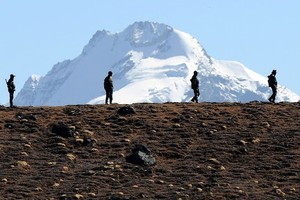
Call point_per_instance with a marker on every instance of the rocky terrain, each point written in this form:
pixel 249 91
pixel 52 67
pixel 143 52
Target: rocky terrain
pixel 200 151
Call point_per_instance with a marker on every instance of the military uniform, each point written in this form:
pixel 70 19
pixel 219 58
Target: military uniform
pixel 108 86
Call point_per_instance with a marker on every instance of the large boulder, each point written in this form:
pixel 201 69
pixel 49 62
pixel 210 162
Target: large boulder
pixel 141 155
pixel 62 130
pixel 126 110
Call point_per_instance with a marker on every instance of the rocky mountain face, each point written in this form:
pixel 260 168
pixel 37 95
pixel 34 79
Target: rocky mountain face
pixel 151 62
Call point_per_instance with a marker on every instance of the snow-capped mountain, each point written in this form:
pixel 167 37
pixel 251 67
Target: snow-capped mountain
pixel 151 62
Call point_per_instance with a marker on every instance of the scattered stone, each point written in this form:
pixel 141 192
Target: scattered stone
pixel 78 196
pixel 90 133
pixel 26 117
pixel 72 111
pixel 280 192
pixel 126 110
pixel 61 144
pixel 65 169
pixel 71 156
pixel 242 142
pixel 214 161
pixel 23 153
pixel 56 184
pixel 266 124
pixel 256 140
pixel 176 126
pixel 23 165
pixel 79 140
pixel 52 163
pixel 92 194
pixel 38 189
pixel 9 125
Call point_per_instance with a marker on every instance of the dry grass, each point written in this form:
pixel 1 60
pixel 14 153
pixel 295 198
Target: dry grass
pixel 203 151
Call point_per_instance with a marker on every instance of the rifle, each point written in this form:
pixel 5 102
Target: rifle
pixel 7 84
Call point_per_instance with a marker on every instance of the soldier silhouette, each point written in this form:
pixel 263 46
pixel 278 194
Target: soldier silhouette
pixel 11 89
pixel 109 86
pixel 195 86
pixel 273 84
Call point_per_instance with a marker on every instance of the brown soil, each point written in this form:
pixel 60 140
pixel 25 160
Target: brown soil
pixel 203 151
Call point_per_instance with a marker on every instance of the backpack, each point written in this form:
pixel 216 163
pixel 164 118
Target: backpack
pixel 107 83
pixel 270 81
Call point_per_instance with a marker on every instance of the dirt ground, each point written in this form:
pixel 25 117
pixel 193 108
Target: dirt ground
pixel 202 151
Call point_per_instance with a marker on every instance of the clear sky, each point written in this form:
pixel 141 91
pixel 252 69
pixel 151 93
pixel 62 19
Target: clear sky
pixel 261 34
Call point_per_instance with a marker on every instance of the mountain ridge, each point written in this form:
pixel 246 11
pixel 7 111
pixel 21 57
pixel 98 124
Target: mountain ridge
pixel 152 58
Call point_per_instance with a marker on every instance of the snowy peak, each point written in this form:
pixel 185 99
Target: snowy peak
pixel 97 37
pixel 142 34
pixel 151 62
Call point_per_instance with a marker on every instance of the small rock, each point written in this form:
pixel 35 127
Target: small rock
pixel 92 194
pixel 79 140
pixel 23 165
pixel 176 125
pixel 266 124
pixel 38 189
pixel 78 196
pixel 90 133
pixel 71 156
pixel 224 127
pixel 242 142
pixel 73 128
pixel 24 153
pixel 214 160
pixel 280 192
pixel 52 163
pixel 256 140
pixel 56 185
pixel 65 169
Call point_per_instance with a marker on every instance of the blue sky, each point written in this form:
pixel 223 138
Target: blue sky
pixel 261 34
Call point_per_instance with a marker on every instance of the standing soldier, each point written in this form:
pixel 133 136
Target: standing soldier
pixel 11 89
pixel 195 87
pixel 108 86
pixel 273 84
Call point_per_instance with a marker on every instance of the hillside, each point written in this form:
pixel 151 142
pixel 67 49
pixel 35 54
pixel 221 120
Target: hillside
pixel 202 151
